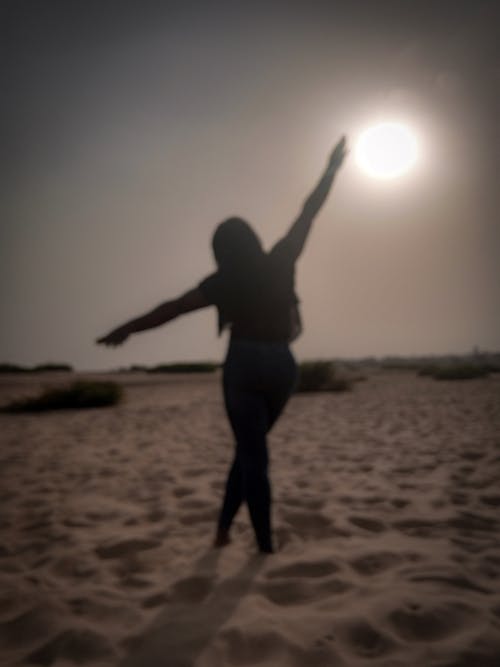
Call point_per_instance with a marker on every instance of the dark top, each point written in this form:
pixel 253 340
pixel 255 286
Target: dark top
pixel 260 303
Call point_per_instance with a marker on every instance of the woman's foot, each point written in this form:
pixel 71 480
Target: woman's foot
pixel 266 551
pixel 221 538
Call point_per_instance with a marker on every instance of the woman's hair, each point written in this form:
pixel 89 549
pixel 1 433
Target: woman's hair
pixel 236 246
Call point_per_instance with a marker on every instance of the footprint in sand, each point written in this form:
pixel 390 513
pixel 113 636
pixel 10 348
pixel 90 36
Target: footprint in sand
pixel 206 516
pixel 76 523
pixel 155 600
pixel 102 515
pixel 72 567
pixel 104 612
pixel 194 472
pixel 404 470
pixel 312 504
pixel 373 563
pixel 36 548
pixel 10 567
pixel 27 627
pixel 457 498
pixel 366 523
pixel 406 486
pixel 471 547
pixel 10 601
pixel 251 648
pixel 218 485
pixel 319 568
pixel 192 589
pixel 373 500
pixel 4 552
pixel 32 502
pixel 40 524
pixel 417 527
pixel 472 455
pixel 366 641
pixel 181 491
pixel 131 522
pixel 471 522
pixel 490 500
pixel 458 581
pixel 126 548
pixel 74 645
pixel 302 582
pixel 299 591
pixel 106 472
pixel 192 504
pixel 156 515
pixel 490 565
pixel 310 524
pixel 415 622
pixel 132 581
pixel 400 503
pixel 282 536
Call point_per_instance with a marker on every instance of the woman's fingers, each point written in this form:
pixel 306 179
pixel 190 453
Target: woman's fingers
pixel 111 339
pixel 339 152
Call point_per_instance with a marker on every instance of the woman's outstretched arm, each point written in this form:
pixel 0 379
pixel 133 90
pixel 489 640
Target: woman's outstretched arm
pixel 297 235
pixel 163 313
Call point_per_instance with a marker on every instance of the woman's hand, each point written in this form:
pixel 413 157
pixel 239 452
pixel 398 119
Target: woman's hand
pixel 163 313
pixel 115 337
pixel 338 154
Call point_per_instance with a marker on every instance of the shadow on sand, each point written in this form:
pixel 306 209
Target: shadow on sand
pixel 193 616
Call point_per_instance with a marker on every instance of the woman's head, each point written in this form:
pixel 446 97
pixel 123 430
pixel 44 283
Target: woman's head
pixel 235 244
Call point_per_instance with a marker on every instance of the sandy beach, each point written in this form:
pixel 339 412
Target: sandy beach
pixel 386 516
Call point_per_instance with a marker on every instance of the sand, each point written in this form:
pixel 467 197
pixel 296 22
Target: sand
pixel 386 513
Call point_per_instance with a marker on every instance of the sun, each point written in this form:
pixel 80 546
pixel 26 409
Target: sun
pixel 386 150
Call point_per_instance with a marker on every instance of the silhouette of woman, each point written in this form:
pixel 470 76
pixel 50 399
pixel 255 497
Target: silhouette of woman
pixel 254 295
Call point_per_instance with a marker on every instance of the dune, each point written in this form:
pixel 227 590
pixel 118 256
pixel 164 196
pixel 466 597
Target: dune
pixel 386 521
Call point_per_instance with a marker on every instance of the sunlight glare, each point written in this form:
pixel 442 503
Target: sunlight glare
pixel 386 150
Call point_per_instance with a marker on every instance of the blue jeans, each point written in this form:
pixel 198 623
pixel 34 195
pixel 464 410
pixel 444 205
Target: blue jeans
pixel 258 380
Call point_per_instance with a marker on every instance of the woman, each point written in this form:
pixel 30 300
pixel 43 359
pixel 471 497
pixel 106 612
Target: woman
pixel 254 295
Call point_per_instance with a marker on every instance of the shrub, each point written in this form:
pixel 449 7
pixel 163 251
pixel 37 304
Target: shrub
pixel 427 370
pixel 135 368
pixel 187 367
pixel 13 368
pixel 42 368
pixel 320 376
pixel 461 372
pixel 79 394
pixel 398 364
pixel 456 371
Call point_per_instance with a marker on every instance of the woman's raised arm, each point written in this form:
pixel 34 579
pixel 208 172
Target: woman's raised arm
pixel 297 235
pixel 169 310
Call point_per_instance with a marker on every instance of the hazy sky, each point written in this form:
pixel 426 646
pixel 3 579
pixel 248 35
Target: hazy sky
pixel 130 129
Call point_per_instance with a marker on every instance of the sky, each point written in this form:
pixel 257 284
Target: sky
pixel 129 130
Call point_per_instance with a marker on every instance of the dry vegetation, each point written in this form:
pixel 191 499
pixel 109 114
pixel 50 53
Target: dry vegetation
pixel 77 395
pixel 320 376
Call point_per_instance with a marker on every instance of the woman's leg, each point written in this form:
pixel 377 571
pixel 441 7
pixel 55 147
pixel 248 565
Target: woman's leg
pixel 256 389
pixel 233 497
pixel 281 371
pixel 248 479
